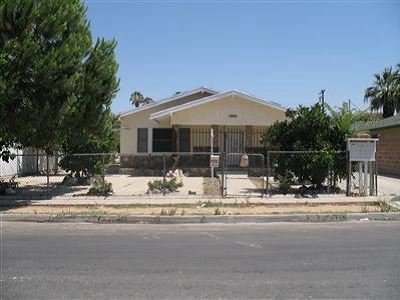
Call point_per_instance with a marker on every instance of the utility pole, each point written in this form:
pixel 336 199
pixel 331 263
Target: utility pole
pixel 322 97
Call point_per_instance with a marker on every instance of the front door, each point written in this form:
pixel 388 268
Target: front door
pixel 234 146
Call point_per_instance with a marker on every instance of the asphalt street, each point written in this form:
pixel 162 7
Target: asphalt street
pixel 205 261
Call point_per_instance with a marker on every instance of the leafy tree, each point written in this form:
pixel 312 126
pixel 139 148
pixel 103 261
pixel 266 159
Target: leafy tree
pixel 385 93
pixel 137 99
pixel 308 129
pixel 89 127
pixel 42 47
pixel 56 88
pixel 368 116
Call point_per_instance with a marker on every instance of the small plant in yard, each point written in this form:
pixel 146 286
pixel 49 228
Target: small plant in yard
pixel 8 187
pixel 100 187
pixel 385 207
pixel 285 182
pixel 365 209
pixel 159 185
pixel 217 211
pixel 169 212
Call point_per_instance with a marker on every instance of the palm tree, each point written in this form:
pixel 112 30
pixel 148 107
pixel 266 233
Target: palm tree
pixel 344 117
pixel 385 93
pixel 138 99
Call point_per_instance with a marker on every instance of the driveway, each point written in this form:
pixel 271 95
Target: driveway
pixel 388 186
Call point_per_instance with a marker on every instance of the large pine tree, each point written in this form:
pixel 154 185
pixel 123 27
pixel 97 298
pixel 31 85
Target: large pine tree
pixel 55 85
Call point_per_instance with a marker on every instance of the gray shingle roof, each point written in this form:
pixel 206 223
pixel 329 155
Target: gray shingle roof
pixel 380 124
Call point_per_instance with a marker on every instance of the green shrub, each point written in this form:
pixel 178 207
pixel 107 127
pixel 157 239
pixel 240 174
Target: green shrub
pixel 100 187
pixel 6 186
pixel 285 182
pixel 385 207
pixel 159 185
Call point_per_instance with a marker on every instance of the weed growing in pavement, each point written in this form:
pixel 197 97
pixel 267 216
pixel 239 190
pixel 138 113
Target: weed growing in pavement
pixel 100 187
pixel 210 203
pixel 169 212
pixel 385 207
pixel 365 209
pixel 82 213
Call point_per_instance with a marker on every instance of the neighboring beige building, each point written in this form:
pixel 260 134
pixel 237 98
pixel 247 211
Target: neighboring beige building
pixel 182 123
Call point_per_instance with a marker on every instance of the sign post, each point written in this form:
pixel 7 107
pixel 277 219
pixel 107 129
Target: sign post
pixel 363 151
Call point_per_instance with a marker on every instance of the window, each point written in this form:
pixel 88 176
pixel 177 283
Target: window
pixel 162 139
pixel 142 140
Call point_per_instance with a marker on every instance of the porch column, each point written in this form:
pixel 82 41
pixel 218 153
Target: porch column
pixel 248 137
pixel 175 138
pixel 216 139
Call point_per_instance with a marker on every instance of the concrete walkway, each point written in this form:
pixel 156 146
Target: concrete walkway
pixel 240 184
pixel 388 186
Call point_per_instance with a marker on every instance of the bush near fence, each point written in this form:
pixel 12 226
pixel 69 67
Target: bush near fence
pixel 192 164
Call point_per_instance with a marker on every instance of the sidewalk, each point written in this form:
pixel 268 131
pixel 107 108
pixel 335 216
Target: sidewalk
pixel 388 190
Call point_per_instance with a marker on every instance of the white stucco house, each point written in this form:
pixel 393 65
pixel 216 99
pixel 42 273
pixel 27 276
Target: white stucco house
pixel 182 123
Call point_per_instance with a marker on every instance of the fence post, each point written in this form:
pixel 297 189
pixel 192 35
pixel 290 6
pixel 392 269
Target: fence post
pixel 164 173
pixel 268 174
pixel 348 179
pixel 263 175
pixel 47 174
pixel 329 178
pixel 223 181
pixel 103 175
pixel 376 177
pixel 371 178
pixel 37 162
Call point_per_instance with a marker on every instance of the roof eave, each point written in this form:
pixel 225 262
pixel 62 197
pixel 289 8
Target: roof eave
pixel 169 111
pixel 166 100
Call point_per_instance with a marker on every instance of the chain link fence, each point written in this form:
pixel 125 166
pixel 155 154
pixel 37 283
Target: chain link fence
pixel 306 173
pixel 302 173
pixel 42 176
pixel 29 175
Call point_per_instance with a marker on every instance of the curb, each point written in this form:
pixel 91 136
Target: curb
pixel 133 219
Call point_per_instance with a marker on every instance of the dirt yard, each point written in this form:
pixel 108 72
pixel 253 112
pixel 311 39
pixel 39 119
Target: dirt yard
pixel 196 209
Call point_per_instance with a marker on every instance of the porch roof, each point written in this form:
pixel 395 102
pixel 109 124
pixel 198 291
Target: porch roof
pixel 170 111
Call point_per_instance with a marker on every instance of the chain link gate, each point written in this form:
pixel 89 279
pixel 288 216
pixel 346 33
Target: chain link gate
pixel 243 175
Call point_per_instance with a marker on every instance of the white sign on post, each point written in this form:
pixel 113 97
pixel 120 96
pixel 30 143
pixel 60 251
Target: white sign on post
pixel 361 149
pixel 214 161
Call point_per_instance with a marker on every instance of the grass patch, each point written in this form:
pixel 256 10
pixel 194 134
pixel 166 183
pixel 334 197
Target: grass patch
pixel 385 207
pixel 205 208
pixel 88 213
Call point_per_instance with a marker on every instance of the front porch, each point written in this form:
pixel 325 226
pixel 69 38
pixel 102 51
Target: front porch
pixel 192 146
pixel 187 139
